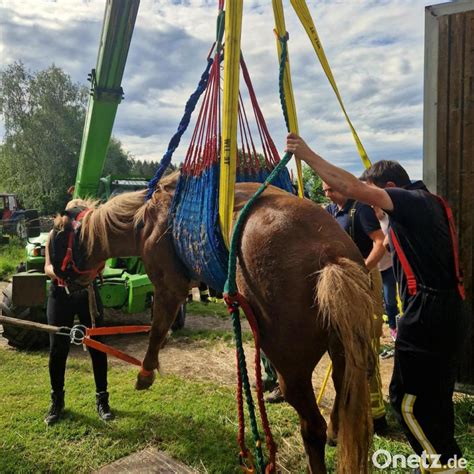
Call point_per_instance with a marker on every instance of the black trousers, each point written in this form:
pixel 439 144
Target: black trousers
pixel 61 310
pixel 421 390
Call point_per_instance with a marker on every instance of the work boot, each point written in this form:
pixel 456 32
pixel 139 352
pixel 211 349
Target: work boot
pixel 268 385
pixel 56 408
pixel 275 396
pixel 380 426
pixel 103 408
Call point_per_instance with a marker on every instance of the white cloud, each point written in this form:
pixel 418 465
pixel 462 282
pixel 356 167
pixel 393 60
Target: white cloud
pixel 374 47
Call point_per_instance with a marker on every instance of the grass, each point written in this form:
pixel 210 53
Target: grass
pixel 11 254
pixel 194 422
pixel 210 335
pixel 208 309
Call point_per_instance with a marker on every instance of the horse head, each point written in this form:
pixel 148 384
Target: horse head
pixel 67 250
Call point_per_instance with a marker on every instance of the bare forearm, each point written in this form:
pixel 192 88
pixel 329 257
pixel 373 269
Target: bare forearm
pixel 337 178
pixel 375 255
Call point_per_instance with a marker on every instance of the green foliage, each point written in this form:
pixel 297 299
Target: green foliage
pixel 118 162
pixel 313 185
pixel 146 169
pixel 43 114
pixel 11 254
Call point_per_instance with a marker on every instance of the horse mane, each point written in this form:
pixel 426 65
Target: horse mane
pixel 123 213
pixel 114 216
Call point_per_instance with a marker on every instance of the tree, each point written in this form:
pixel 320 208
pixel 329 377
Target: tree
pixel 117 162
pixel 43 114
pixel 313 185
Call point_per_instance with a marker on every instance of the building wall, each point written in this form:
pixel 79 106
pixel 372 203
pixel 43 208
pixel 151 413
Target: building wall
pixel 449 133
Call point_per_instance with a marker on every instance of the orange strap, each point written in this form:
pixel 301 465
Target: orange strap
pixel 109 349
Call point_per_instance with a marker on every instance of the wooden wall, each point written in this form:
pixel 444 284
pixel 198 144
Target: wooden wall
pixel 455 147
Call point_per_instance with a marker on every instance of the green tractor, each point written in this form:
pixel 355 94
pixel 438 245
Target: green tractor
pixel 125 283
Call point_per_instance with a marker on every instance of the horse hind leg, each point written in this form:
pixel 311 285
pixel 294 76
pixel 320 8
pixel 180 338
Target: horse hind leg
pixel 300 395
pixel 336 352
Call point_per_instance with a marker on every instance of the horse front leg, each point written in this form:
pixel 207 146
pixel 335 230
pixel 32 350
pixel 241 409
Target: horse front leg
pixel 165 308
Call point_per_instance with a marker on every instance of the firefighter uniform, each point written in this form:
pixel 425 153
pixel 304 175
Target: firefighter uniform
pixel 425 263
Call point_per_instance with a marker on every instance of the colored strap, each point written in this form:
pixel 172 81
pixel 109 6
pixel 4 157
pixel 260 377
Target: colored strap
pixel 292 123
pixel 228 165
pixel 304 15
pixel 352 213
pixel 454 243
pixel 410 276
pixel 111 350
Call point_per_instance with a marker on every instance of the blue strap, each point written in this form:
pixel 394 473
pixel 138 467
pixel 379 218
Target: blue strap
pixel 183 125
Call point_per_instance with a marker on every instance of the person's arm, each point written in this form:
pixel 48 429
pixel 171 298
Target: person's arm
pixel 48 266
pixel 378 250
pixel 337 178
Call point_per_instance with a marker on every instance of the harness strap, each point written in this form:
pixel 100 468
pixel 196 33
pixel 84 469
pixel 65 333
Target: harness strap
pixel 410 275
pixel 352 213
pixel 455 246
pixel 69 258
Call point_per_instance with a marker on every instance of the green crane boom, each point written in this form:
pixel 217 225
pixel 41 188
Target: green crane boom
pixel 106 93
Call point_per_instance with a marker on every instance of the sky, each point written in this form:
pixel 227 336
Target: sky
pixel 375 49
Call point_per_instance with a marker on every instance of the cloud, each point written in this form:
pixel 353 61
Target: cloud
pixel 375 49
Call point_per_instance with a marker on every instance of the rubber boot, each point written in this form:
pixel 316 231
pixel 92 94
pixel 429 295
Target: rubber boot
pixel 103 408
pixel 56 408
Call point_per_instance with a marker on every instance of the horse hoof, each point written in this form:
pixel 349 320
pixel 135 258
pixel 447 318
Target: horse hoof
pixel 144 381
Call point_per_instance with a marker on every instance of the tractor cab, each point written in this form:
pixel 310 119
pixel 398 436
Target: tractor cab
pixel 110 186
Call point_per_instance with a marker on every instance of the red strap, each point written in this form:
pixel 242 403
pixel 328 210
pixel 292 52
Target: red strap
pixel 411 279
pixel 68 256
pixel 454 243
pixel 83 214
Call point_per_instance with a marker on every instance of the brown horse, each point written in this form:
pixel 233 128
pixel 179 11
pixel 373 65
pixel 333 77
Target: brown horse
pixel 307 285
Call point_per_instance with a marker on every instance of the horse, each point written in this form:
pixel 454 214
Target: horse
pixel 303 277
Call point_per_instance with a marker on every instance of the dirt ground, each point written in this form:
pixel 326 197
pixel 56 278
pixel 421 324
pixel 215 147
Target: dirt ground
pixel 203 360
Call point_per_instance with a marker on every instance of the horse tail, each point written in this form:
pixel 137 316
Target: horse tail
pixel 344 297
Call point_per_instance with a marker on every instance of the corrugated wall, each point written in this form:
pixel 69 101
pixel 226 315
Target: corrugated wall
pixel 455 147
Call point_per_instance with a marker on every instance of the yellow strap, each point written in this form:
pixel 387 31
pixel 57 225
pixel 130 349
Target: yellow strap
pixel 280 30
pixel 228 165
pixel 304 15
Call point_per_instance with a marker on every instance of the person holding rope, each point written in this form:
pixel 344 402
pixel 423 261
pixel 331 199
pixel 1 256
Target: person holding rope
pixel 64 302
pixel 361 223
pixel 424 251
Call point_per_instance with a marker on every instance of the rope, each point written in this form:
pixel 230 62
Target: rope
pixel 183 125
pixel 234 300
pixel 281 77
pixel 243 380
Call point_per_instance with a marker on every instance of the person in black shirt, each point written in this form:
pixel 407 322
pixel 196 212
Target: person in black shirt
pixel 64 303
pixel 430 330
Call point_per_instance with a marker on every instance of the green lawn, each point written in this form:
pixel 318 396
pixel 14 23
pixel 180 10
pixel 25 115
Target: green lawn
pixel 195 422
pixel 11 254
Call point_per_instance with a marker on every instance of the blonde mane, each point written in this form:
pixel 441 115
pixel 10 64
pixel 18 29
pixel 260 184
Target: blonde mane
pixel 114 216
pixel 121 214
